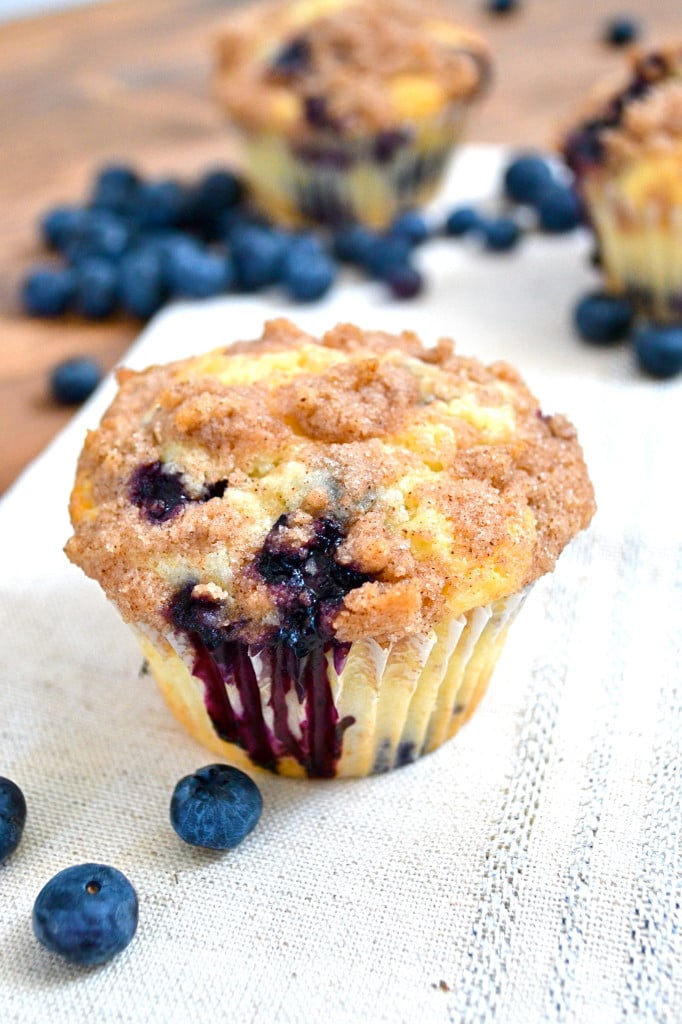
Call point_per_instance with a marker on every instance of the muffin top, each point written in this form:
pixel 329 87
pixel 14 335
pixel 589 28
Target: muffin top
pixel 346 67
pixel 357 485
pixel 639 120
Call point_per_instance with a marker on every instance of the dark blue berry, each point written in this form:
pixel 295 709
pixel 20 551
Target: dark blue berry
pixel 404 282
pixel 47 291
pixel 74 380
pixel 307 272
pixel 525 176
pixel 293 58
pixel 316 112
pixel 86 914
pixel 386 253
pixel 352 243
pixel 218 191
pixel 502 6
pixel 216 807
pixel 114 188
pixel 558 209
pixel 103 233
pixel 141 282
pixel 258 255
pixel 462 221
pixel 62 223
pixel 603 319
pixel 194 273
pixel 659 349
pixel 500 234
pixel 157 491
pixel 97 288
pixel 12 817
pixel 389 142
pixel 621 31
pixel 159 204
pixel 410 225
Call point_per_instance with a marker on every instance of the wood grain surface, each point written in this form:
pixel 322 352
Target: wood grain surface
pixel 129 79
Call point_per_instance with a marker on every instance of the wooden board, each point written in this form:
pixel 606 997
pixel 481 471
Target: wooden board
pixel 130 80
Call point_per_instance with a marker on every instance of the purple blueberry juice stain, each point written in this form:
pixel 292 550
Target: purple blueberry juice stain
pixel 160 494
pixel 307 585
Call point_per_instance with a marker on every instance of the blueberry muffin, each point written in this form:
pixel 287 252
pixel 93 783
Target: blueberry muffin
pixel 348 110
pixel 626 153
pixel 321 543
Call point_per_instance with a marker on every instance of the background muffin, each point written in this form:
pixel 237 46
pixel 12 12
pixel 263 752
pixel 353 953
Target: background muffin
pixel 323 542
pixel 627 157
pixel 348 110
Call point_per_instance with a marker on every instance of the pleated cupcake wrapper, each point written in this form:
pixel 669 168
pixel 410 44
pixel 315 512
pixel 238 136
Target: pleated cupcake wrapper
pixel 389 704
pixel 353 185
pixel 640 249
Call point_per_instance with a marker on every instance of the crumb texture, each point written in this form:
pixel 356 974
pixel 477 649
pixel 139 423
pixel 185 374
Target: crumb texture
pixel 358 485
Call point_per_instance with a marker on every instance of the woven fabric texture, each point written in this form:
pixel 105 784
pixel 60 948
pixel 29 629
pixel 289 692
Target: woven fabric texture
pixel 528 871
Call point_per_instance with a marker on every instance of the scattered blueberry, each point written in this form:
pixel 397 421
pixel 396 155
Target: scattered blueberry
pixel 307 272
pixel 160 204
pixel 659 349
pixel 621 31
pixel 502 6
pixel 500 234
pixel 61 223
pixel 352 243
pixel 385 253
pixel 12 817
pixel 404 282
pixel 102 233
pixel 258 255
pixel 195 273
pixel 216 807
pixel 525 176
pixel 47 291
pixel 410 225
pixel 462 221
pixel 558 209
pixel 86 914
pixel 218 191
pixel 74 380
pixel 114 188
pixel 603 319
pixel 141 283
pixel 96 288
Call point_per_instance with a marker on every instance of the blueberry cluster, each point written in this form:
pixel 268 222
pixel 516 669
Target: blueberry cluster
pixel 88 913
pixel 604 319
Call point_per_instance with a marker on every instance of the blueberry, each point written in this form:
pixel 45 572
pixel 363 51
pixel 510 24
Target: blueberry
pixel 157 491
pixel 603 319
pixel 621 31
pixel 462 221
pixel 659 349
pixel 386 253
pixel 525 176
pixel 410 225
pixel 97 288
pixel 114 188
pixel 102 233
pixel 47 291
pixel 293 58
pixel 258 255
pixel 194 273
pixel 159 204
pixel 216 807
pixel 74 380
pixel 307 272
pixel 500 234
pixel 86 913
pixel 502 6
pixel 12 817
pixel 61 223
pixel 558 209
pixel 352 243
pixel 405 282
pixel 219 190
pixel 142 287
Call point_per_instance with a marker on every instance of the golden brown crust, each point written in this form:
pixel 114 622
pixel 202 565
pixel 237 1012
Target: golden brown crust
pixel 450 486
pixel 355 52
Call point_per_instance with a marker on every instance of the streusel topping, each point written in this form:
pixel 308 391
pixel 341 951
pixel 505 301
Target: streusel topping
pixel 360 482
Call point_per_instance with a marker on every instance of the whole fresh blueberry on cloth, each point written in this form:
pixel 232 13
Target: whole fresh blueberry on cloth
pixel 86 914
pixel 659 349
pixel 216 807
pixel 12 817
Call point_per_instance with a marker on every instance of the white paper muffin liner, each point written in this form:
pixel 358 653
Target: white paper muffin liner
pixel 337 712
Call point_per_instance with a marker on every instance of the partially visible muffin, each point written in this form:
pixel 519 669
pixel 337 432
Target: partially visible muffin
pixel 626 153
pixel 322 542
pixel 348 110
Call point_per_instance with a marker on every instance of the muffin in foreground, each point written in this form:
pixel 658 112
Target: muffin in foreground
pixel 626 153
pixel 321 543
pixel 348 110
